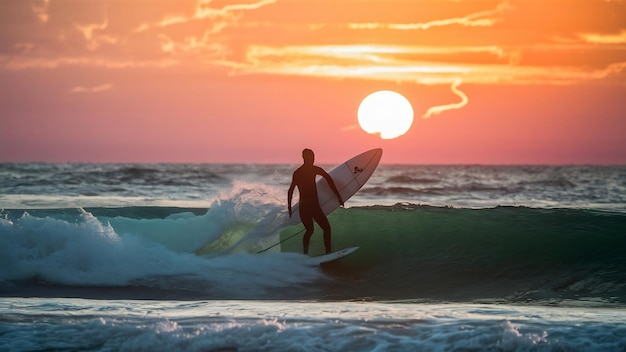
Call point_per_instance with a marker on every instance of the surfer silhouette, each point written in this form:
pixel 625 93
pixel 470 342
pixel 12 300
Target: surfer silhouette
pixel 309 206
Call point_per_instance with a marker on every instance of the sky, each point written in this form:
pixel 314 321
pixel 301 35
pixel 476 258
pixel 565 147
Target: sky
pixel 256 81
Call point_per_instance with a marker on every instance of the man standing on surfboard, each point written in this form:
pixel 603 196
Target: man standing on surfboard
pixel 309 206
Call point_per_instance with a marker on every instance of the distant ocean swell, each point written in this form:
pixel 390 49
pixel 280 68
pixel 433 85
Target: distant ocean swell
pixel 407 252
pixel 29 186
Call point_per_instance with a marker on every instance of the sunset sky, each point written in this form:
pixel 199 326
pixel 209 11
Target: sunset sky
pixel 490 82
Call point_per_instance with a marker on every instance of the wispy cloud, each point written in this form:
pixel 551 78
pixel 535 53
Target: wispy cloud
pixel 201 44
pixel 203 8
pixel 409 64
pixel 478 19
pixel 22 63
pixel 216 19
pixel 40 10
pixel 204 11
pixel 232 35
pixel 196 39
pixel 94 89
pixel 435 110
pixel 598 38
pixel 94 40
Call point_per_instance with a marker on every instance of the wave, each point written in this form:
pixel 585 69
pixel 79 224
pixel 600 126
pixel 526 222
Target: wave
pixel 513 253
pixel 407 251
pixel 91 259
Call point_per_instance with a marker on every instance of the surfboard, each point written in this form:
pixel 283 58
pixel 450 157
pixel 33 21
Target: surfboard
pixel 332 256
pixel 349 177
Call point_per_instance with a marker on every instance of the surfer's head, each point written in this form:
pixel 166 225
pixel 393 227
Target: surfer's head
pixel 308 156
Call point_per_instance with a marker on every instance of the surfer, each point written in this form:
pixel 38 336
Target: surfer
pixel 310 209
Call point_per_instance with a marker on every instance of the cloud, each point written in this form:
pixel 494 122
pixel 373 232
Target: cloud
pixel 23 63
pixel 118 34
pixel 478 19
pixel 410 64
pixel 596 38
pixel 93 89
pixel 41 10
pixel 231 35
pixel 214 20
pixel 94 41
pixel 206 43
pixel 203 8
pixel 204 11
pixel 436 110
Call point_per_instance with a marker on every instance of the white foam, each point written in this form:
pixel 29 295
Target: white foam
pixel 306 326
pixel 89 252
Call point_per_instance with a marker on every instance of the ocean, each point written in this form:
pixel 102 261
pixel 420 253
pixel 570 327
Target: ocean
pixel 161 257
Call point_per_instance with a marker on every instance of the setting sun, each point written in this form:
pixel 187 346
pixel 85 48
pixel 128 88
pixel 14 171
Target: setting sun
pixel 385 112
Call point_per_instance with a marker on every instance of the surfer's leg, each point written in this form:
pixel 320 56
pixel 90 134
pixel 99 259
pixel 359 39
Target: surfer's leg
pixel 305 240
pixel 322 220
pixel 307 221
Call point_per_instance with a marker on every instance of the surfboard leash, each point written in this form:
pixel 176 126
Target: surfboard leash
pixel 279 242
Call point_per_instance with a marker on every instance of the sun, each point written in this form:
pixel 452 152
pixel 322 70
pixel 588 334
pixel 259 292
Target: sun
pixel 385 112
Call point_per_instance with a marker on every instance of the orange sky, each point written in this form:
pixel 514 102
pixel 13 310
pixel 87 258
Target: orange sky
pixel 491 82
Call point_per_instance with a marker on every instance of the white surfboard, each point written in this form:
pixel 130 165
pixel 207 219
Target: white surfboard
pixel 332 256
pixel 349 177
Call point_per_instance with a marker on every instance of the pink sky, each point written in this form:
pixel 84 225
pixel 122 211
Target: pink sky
pixel 505 82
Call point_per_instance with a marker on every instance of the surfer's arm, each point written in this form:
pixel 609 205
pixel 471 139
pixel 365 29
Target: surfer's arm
pixel 332 185
pixel 290 195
